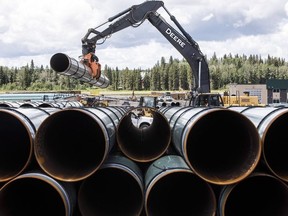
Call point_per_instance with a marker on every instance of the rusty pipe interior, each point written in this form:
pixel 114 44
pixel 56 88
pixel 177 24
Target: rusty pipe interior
pixel 36 194
pixel 275 145
pixel 17 129
pixel 223 147
pixel 220 145
pixel 115 189
pixel 171 188
pixel 271 123
pixel 71 144
pixel 143 144
pixel 17 136
pixel 259 194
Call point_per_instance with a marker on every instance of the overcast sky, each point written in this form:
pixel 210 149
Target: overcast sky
pixel 38 29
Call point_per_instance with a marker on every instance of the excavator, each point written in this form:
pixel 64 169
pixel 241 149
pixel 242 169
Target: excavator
pixel 180 39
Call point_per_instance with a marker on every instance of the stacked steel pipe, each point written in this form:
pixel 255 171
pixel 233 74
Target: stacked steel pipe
pixel 144 145
pixel 75 161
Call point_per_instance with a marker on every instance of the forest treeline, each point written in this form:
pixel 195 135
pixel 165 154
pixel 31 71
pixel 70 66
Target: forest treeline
pixel 167 74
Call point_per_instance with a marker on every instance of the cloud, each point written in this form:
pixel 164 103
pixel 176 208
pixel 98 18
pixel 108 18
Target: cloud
pixel 33 29
pixel 208 17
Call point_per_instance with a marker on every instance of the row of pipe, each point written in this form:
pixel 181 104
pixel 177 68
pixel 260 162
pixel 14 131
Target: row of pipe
pixel 117 188
pixel 59 104
pixel 118 169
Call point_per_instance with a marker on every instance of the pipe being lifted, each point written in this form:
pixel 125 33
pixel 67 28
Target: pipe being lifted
pixel 63 64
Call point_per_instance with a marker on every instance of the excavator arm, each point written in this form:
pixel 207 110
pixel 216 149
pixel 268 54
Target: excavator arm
pixel 135 16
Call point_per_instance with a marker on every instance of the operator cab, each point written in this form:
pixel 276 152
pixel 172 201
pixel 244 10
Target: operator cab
pixel 148 101
pixel 142 115
pixel 207 99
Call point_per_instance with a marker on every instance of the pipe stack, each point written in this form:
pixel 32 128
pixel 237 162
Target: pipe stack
pixel 74 161
pixel 59 104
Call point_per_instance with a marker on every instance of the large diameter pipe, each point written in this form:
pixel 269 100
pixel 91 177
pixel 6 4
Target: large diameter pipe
pixel 37 194
pixel 220 145
pixel 18 127
pixel 65 65
pixel 115 189
pixel 70 145
pixel 171 188
pixel 30 104
pixel 271 123
pixel 143 144
pixel 51 104
pixel 71 103
pixel 259 194
pixel 61 104
pixel 13 104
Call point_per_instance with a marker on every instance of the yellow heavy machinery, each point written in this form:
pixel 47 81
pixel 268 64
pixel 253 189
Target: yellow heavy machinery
pixel 94 101
pixel 142 115
pixel 226 100
pixel 145 105
pixel 240 100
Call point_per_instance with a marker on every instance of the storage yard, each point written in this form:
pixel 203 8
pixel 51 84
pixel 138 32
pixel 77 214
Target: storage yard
pixel 198 153
pixel 78 160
